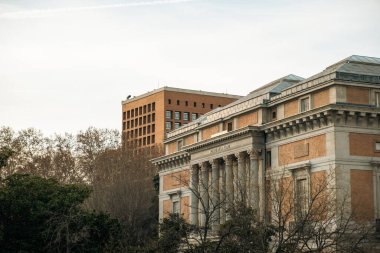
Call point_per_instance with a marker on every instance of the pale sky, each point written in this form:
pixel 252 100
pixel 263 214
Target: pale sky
pixel 67 65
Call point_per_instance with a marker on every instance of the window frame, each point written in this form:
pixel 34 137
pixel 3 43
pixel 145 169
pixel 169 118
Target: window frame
pixel 308 97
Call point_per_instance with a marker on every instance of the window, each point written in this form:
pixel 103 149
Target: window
pixel 195 104
pixel 302 197
pixel 168 114
pixel 179 145
pixel 187 103
pixel 153 106
pixel 136 122
pixel 132 123
pixel 148 140
pixel 211 106
pixel 128 124
pixel 140 131
pixel 124 115
pixel 136 112
pixel 305 104
pixel 274 114
pixel 148 129
pixel 153 117
pixel 227 126
pixel 123 125
pixel 377 99
pixel 168 125
pixel 153 128
pixel 268 159
pixel 144 141
pixel 149 118
pixel 377 146
pixel 177 115
pixel 169 101
pixel 176 208
pixel 185 116
pixel 177 125
pixel 144 120
pixel 203 105
pixel 148 107
pixel 153 139
pixel 177 102
pixel 132 113
pixel 144 131
pixel 140 120
pixel 194 116
pixel 128 114
pixel 140 110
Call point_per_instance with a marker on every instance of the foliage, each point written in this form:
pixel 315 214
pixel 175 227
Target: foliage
pixel 41 215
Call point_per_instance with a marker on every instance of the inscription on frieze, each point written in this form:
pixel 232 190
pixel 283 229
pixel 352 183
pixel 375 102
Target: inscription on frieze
pixel 219 149
pixel 301 150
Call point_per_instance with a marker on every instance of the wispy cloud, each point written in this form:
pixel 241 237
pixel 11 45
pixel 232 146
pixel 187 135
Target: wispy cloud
pixel 37 13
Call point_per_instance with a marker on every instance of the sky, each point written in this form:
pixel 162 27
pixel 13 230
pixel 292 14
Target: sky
pixel 67 65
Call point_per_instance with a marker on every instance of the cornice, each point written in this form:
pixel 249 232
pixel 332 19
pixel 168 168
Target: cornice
pixel 221 138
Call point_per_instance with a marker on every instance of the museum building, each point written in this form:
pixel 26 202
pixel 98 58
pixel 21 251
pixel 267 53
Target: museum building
pixel 305 127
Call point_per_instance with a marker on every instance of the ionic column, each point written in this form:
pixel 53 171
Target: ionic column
pixel 204 192
pixel 229 180
pixel 261 188
pixel 235 180
pixel 222 192
pixel 194 194
pixel 241 177
pixel 215 200
pixel 254 182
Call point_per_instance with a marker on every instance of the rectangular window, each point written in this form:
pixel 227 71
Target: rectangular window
pixel 128 126
pixel 149 118
pixel 153 117
pixel 187 103
pixel 136 112
pixel 268 159
pixel 144 141
pixel 185 116
pixel 140 131
pixel 195 104
pixel 377 99
pixel 177 125
pixel 377 146
pixel 153 128
pixel 124 115
pixel 140 110
pixel 177 102
pixel 168 125
pixel 128 114
pixel 153 139
pixel 123 125
pixel 305 104
pixel 153 106
pixel 302 197
pixel 140 120
pixel 203 105
pixel 148 129
pixel 179 145
pixel 148 140
pixel 211 106
pixel 168 114
pixel 177 115
pixel 144 131
pixel 144 120
pixel 227 126
pixel 169 101
pixel 194 116
pixel 176 207
pixel 149 107
pixel 132 113
pixel 144 108
pixel 132 123
pixel 136 122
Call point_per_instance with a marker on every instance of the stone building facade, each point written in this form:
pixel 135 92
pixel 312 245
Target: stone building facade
pixel 305 127
pixel 147 118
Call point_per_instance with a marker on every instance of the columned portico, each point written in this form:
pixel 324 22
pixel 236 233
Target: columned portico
pixel 223 181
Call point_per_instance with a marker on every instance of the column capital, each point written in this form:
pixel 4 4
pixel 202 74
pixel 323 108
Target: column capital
pixel 228 159
pixel 254 153
pixel 240 155
pixel 214 162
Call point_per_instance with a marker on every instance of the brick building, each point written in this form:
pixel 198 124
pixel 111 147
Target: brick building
pixel 305 127
pixel 146 118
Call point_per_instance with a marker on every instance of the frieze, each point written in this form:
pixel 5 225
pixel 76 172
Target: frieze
pixel 219 149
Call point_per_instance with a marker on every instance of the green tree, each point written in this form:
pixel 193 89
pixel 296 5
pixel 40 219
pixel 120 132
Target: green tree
pixel 41 215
